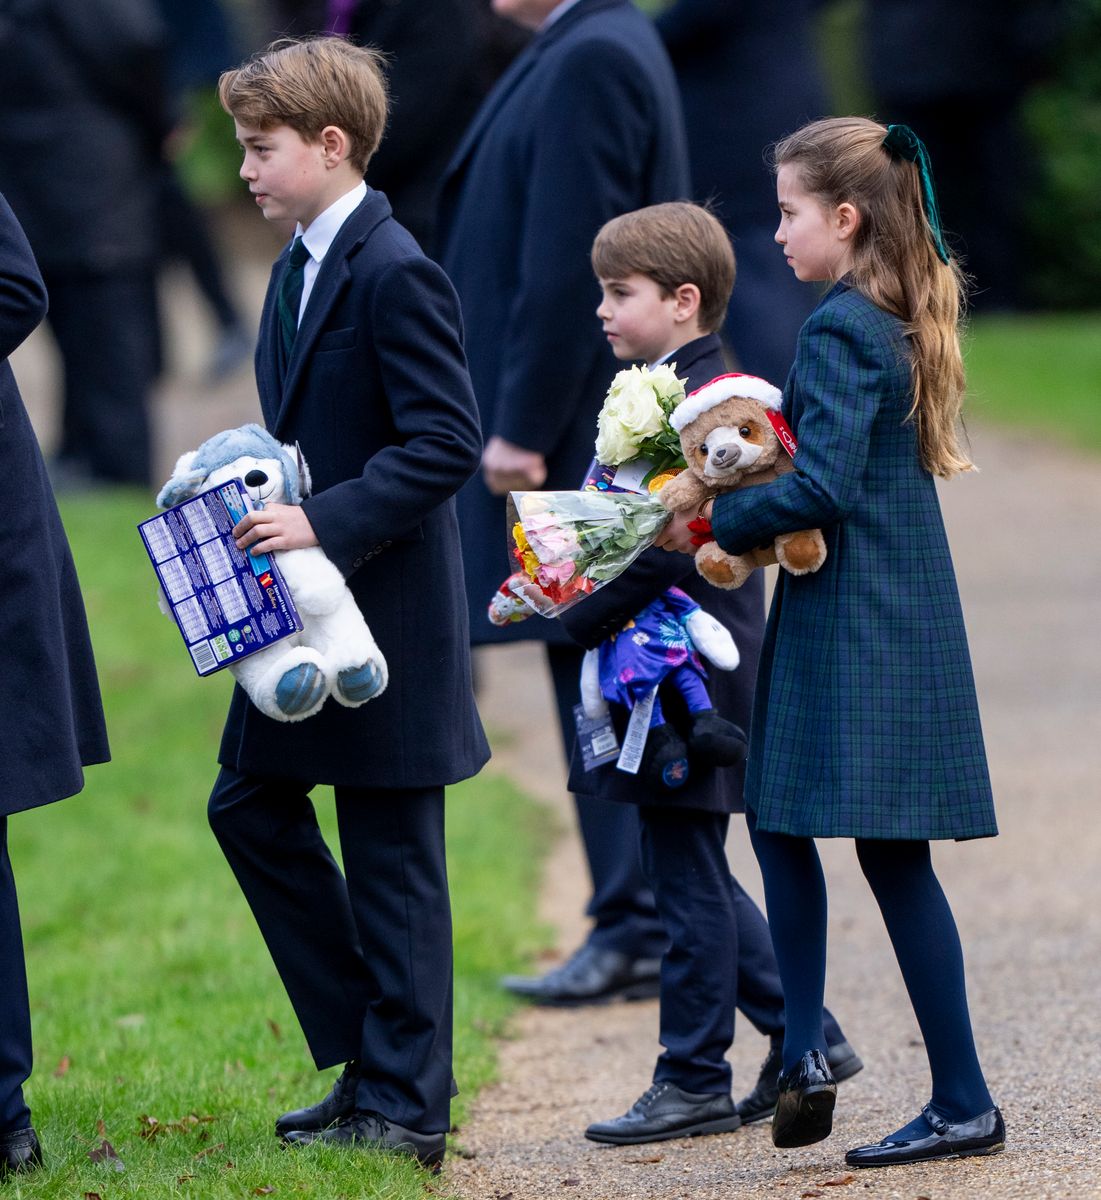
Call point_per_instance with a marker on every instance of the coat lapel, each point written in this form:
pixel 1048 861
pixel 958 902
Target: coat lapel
pixel 332 279
pixel 508 82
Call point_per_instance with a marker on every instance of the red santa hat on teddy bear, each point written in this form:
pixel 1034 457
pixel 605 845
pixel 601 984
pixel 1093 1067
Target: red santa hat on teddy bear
pixel 725 387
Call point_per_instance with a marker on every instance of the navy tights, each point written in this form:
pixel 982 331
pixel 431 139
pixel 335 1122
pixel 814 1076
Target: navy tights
pixel 925 940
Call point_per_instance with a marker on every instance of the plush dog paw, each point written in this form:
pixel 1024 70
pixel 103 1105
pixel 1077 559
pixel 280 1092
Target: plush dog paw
pixel 300 689
pixel 716 741
pixel 357 685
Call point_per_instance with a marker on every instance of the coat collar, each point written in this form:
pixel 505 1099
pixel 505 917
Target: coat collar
pixel 332 277
pixel 519 68
pixel 691 352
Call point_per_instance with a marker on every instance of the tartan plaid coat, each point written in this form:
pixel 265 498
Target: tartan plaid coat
pixel 865 720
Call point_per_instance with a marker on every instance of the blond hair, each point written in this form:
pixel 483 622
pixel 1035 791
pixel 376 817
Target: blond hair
pixel 673 244
pixel 308 84
pixel 895 264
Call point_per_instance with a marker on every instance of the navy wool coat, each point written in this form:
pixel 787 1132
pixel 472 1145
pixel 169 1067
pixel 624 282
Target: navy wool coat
pixel 378 396
pixel 741 610
pixel 865 720
pixel 52 724
pixel 586 124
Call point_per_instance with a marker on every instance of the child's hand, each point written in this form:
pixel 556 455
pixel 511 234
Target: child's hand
pixel 507 467
pixel 686 531
pixel 276 527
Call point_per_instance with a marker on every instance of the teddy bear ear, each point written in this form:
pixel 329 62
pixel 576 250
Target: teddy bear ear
pixel 185 482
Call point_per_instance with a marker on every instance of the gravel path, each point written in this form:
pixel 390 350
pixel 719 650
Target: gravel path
pixel 1028 902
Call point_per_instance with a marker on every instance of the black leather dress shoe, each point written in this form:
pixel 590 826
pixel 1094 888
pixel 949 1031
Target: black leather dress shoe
pixel 590 976
pixel 338 1104
pixel 984 1134
pixel 664 1111
pixel 19 1151
pixel 804 1108
pixel 761 1102
pixel 370 1131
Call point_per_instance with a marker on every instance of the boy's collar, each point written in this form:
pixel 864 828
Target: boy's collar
pixel 693 345
pixel 324 227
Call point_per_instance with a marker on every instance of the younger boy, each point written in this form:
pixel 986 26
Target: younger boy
pixel 666 273
pixel 360 361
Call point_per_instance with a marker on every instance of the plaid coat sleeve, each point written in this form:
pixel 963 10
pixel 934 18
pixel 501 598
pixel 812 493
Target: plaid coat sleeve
pixel 865 720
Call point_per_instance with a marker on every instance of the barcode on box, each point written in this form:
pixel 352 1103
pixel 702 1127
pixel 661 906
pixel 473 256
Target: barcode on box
pixel 204 657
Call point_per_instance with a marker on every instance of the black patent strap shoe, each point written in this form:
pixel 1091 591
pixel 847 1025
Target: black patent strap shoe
pixel 371 1131
pixel 591 975
pixel 338 1104
pixel 761 1102
pixel 804 1106
pixel 666 1111
pixel 984 1134
pixel 19 1151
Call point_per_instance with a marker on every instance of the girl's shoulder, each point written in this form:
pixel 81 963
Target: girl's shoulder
pixel 847 305
pixel 852 332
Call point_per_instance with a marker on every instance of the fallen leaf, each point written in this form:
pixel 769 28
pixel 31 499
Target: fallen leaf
pixel 262 1191
pixel 571 1182
pixel 62 1067
pixel 92 1196
pixel 274 1027
pixel 101 1128
pixel 840 1181
pixel 105 1152
pixel 650 1158
pixel 209 1150
pixel 184 1178
pixel 809 1195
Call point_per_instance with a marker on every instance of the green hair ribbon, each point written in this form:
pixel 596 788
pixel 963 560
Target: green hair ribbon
pixel 902 140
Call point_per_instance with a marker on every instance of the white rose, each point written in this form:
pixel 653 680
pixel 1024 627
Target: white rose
pixel 631 413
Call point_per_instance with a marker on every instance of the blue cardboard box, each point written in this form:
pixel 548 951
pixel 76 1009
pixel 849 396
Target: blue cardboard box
pixel 227 604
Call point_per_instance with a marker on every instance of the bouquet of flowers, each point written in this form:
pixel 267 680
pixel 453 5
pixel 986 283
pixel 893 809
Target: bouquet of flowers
pixel 567 544
pixel 634 421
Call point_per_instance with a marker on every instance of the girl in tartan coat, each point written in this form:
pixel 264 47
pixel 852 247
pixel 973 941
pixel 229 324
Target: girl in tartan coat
pixel 865 720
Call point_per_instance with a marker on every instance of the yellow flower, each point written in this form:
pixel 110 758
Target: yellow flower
pixel 527 554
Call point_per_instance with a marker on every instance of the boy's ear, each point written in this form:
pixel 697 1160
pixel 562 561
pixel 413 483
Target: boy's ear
pixel 334 145
pixel 687 302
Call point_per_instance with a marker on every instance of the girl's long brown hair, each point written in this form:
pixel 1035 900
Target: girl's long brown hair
pixel 842 159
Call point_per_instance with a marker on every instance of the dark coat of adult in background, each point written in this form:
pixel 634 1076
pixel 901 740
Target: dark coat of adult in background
pixel 82 121
pixel 748 74
pixel 443 58
pixel 741 610
pixel 865 720
pixel 53 719
pixel 585 125
pixel 52 724
pixel 389 430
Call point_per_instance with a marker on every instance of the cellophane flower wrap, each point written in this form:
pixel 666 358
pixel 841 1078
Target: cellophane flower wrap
pixel 568 544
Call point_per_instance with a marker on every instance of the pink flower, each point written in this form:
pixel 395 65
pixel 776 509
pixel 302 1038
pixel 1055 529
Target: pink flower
pixel 560 572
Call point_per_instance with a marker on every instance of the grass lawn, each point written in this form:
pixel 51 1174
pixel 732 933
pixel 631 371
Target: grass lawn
pixel 1040 372
pixel 160 1025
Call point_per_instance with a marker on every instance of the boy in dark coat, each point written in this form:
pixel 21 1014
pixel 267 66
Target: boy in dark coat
pixel 666 273
pixel 53 720
pixel 360 360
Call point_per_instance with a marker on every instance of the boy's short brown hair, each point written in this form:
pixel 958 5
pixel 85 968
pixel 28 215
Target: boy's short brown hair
pixel 672 244
pixel 308 84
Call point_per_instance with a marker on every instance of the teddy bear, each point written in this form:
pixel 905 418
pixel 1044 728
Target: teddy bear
pixel 662 644
pixel 732 435
pixel 334 654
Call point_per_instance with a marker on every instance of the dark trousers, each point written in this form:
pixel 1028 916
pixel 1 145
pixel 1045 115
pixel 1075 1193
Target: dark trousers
pixel 15 1014
pixel 720 954
pixel 106 331
pixel 365 956
pixel 622 905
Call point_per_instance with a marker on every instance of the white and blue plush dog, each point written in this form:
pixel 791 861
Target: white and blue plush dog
pixel 334 654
